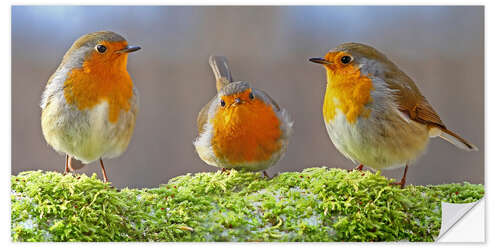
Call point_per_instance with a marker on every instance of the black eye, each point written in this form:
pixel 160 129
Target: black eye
pixel 346 59
pixel 222 103
pixel 251 96
pixel 101 48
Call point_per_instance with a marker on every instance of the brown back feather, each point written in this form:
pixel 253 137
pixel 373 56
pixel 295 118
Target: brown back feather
pixel 410 101
pixel 408 97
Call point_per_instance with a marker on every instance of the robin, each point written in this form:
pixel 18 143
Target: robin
pixel 241 127
pixel 89 104
pixel 374 113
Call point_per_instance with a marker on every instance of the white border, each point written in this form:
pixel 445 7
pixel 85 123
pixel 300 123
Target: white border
pixel 492 108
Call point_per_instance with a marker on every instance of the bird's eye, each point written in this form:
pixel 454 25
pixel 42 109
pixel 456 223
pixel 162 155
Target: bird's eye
pixel 251 96
pixel 100 48
pixel 346 59
pixel 222 103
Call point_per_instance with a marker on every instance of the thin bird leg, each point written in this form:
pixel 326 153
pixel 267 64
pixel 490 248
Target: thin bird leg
pixel 66 165
pixel 103 171
pixel 403 180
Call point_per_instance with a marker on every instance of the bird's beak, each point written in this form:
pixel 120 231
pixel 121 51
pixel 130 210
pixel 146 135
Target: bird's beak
pixel 237 102
pixel 128 49
pixel 319 60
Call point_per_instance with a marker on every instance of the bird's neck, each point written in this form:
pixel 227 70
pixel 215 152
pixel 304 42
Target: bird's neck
pixel 347 91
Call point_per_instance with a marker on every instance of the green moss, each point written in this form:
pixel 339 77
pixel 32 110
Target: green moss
pixel 318 204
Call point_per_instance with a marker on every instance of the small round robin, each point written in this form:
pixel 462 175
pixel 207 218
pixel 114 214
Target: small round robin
pixel 241 127
pixel 374 113
pixel 89 104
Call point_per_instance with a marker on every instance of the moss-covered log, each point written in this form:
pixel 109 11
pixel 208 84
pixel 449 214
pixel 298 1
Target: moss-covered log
pixel 317 204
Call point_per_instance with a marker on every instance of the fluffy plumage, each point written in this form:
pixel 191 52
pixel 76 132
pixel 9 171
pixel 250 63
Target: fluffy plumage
pixel 89 105
pixel 393 125
pixel 250 133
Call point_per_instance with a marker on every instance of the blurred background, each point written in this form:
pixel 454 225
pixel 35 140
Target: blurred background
pixel 441 48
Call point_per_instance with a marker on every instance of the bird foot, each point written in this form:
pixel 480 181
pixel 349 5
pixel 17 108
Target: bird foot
pixel 401 184
pixel 359 168
pixel 403 180
pixel 226 171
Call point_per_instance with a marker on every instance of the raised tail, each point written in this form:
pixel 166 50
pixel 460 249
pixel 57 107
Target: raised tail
pixel 456 140
pixel 220 67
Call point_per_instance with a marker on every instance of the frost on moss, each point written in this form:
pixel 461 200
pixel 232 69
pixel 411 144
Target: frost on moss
pixel 317 204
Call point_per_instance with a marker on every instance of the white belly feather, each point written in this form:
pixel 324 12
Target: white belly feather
pixel 86 135
pixel 378 143
pixel 384 139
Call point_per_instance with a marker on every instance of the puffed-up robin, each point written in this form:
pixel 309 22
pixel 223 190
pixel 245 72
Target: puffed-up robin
pixel 241 127
pixel 374 113
pixel 89 105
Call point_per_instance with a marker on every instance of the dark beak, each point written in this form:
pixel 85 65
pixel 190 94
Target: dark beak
pixel 319 60
pixel 128 49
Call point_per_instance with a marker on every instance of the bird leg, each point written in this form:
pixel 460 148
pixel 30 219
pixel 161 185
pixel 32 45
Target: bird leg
pixel 403 180
pixel 66 165
pixel 103 171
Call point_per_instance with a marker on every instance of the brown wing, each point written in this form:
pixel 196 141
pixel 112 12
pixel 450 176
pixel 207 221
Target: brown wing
pixel 411 102
pixel 203 116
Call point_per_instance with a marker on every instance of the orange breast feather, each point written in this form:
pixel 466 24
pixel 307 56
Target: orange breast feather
pixel 99 81
pixel 246 133
pixel 349 91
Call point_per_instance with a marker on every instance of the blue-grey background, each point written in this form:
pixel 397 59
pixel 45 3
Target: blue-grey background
pixel 441 48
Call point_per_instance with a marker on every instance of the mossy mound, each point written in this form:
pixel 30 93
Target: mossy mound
pixel 317 204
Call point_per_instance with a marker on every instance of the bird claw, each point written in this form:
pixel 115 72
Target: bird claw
pixel 359 168
pixel 401 184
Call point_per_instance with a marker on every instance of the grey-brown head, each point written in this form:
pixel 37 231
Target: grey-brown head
pixel 366 58
pixel 106 45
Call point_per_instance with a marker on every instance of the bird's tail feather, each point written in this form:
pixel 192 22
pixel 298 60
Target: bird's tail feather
pixel 220 67
pixel 456 140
